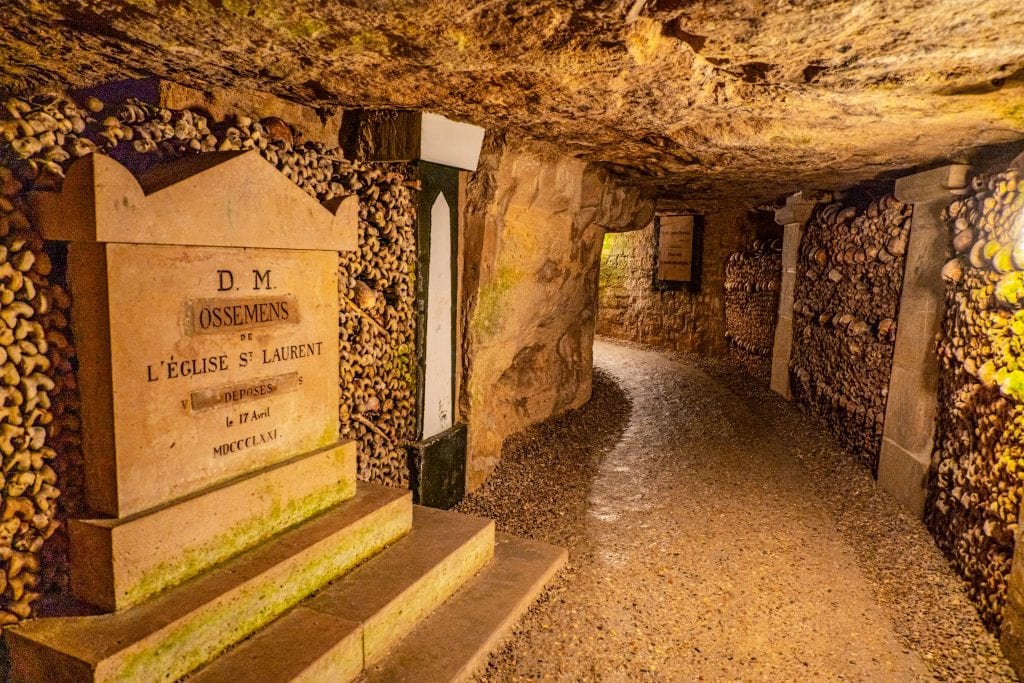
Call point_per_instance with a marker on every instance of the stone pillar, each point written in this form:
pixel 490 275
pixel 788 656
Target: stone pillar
pixel 442 150
pixel 792 216
pixel 914 382
pixel 1011 638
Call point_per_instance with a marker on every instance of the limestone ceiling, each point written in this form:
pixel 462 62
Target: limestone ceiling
pixel 715 100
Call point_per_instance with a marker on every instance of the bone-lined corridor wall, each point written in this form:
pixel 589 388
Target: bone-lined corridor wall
pixel 849 279
pixel 752 279
pixel 848 284
pixel 977 483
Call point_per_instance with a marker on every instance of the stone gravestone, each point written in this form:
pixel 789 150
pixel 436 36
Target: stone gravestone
pixel 207 330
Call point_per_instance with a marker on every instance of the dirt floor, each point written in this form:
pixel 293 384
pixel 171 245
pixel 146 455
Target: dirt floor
pixel 716 534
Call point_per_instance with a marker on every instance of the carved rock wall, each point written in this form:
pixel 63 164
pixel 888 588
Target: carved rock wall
pixel 631 308
pixel 534 233
pixel 726 101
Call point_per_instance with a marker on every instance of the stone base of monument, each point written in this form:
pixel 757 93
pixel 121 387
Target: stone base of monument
pixel 121 562
pixel 322 601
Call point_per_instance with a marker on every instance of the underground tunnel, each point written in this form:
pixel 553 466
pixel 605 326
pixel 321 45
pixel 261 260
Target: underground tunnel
pixel 491 340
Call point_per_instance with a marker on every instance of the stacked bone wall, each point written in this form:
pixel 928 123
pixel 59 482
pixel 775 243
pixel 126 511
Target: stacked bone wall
pixel 37 411
pixel 977 477
pixel 40 430
pixel 848 284
pixel 377 319
pixel 752 279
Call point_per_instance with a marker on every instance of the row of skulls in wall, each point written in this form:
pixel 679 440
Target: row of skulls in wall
pixel 752 279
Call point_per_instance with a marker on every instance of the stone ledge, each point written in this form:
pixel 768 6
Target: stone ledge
pixel 404 584
pixel 933 185
pixel 303 645
pixel 412 135
pixel 800 205
pixel 453 643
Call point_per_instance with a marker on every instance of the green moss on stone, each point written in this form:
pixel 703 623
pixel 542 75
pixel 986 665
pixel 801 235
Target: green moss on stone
pixel 267 12
pixel 459 39
pixel 327 437
pixel 239 7
pixel 612 275
pixel 611 243
pixel 404 367
pixel 306 27
pixel 493 300
pixel 432 590
pixel 199 639
pixel 235 540
pixel 1015 115
pixel 371 41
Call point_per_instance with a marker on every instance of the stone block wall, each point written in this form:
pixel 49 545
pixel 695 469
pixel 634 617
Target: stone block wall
pixel 631 308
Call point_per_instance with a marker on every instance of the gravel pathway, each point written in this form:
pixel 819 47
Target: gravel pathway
pixel 714 534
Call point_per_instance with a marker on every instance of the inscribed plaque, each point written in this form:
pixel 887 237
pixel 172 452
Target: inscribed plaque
pixel 675 248
pixel 221 362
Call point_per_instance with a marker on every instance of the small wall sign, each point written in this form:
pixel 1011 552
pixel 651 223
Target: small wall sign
pixel 677 251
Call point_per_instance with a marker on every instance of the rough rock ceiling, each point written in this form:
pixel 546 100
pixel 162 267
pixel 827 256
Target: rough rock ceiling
pixel 740 100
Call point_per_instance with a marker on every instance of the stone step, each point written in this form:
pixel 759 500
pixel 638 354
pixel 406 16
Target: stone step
pixel 303 645
pixel 187 626
pixel 374 606
pixel 455 641
pixel 122 562
pixel 401 587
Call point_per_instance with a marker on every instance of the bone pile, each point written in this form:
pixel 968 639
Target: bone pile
pixel 849 278
pixel 977 477
pixel 40 429
pixel 752 279
pixel 31 348
pixel 378 327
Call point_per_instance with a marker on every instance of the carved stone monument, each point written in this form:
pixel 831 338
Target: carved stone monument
pixel 205 312
pixel 200 360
